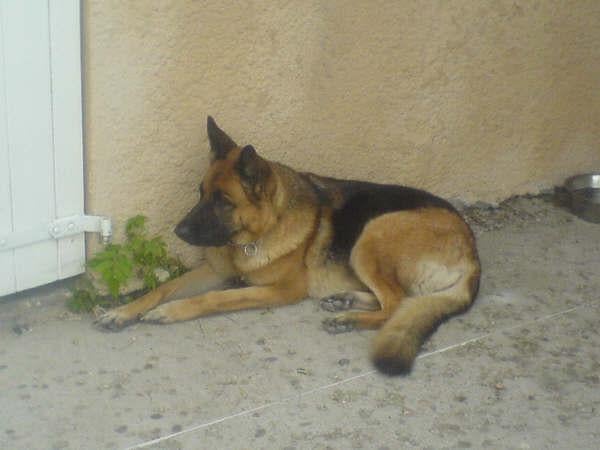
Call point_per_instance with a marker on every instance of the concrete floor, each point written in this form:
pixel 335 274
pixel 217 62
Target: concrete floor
pixel 520 370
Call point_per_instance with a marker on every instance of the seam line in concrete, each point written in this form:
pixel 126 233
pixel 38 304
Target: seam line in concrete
pixel 347 380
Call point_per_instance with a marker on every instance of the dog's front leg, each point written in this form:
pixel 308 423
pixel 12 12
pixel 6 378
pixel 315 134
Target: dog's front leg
pixel 117 318
pixel 222 301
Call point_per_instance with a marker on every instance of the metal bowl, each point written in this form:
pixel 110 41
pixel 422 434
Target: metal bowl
pixel 584 193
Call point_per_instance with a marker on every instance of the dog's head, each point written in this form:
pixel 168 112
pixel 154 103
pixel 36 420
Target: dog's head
pixel 235 194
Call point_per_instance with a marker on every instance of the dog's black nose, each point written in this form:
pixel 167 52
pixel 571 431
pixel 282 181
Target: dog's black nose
pixel 183 231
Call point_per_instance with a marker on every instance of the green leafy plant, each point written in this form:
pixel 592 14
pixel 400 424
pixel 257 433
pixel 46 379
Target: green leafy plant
pixel 140 255
pixel 85 297
pixel 114 265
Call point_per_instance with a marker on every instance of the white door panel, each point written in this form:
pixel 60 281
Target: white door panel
pixel 41 151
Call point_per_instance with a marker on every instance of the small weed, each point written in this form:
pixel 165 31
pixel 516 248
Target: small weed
pixel 85 297
pixel 140 255
pixel 114 265
pixel 82 300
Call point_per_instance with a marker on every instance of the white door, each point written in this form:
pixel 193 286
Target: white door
pixel 41 150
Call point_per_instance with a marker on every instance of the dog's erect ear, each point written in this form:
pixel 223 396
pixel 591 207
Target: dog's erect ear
pixel 253 170
pixel 220 143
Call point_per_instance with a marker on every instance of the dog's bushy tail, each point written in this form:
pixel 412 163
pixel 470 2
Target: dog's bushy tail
pixel 398 342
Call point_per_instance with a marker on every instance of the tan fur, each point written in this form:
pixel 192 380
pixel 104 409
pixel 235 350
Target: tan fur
pixel 430 266
pixel 408 270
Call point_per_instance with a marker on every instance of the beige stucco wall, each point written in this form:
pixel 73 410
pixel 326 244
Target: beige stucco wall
pixel 472 99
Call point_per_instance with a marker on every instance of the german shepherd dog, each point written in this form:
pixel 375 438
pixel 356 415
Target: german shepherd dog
pixel 400 259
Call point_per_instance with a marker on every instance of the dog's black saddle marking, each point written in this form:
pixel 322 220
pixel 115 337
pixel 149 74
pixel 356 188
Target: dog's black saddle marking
pixel 363 201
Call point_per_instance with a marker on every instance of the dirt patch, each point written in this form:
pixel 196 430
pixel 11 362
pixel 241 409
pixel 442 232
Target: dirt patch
pixel 519 211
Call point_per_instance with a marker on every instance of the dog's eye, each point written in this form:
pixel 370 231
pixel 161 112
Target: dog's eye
pixel 220 197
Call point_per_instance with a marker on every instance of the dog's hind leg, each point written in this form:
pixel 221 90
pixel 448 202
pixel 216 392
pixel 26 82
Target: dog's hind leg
pixel 343 301
pixel 423 268
pixel 385 296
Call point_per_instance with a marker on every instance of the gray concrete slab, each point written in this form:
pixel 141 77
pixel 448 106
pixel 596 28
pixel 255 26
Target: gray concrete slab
pixel 529 387
pixel 519 370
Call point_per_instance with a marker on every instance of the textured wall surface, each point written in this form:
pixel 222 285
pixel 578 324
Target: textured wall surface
pixel 471 99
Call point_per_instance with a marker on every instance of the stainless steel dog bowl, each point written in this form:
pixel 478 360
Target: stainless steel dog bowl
pixel 584 193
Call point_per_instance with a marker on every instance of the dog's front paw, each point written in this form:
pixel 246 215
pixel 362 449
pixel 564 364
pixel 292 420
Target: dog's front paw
pixel 338 324
pixel 115 319
pixel 337 302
